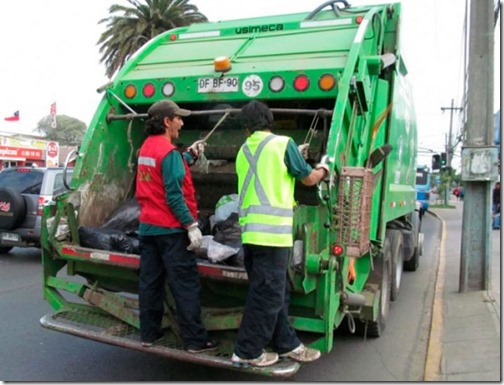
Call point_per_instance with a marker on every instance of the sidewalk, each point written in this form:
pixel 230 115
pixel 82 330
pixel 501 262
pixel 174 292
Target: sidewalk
pixel 465 338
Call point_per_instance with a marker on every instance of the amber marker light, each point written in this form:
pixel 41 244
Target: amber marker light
pixel 326 82
pixel 130 91
pixel 148 90
pixel 301 83
pixel 337 250
pixel 222 64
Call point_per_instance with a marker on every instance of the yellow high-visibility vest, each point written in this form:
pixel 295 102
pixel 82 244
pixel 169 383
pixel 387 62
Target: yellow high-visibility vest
pixel 266 191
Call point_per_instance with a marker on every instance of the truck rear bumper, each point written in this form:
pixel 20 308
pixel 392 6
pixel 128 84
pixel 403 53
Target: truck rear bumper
pixel 107 329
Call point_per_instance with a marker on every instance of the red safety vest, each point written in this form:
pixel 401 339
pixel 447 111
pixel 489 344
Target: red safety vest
pixel 150 190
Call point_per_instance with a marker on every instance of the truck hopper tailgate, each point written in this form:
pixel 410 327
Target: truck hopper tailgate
pixel 88 323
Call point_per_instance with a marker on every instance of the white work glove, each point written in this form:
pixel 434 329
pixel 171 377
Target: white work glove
pixel 303 150
pixel 195 236
pixel 324 167
pixel 197 148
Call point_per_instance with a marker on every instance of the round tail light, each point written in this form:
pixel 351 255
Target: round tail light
pixel 301 83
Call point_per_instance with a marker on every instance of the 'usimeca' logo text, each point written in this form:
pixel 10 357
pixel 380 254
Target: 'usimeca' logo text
pixel 259 28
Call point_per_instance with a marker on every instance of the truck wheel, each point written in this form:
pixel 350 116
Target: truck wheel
pixel 382 275
pixel 413 263
pixel 396 244
pixel 5 249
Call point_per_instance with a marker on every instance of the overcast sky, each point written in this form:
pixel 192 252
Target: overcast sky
pixel 49 54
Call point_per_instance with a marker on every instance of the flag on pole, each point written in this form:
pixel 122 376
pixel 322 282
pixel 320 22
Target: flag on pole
pixel 53 115
pixel 13 118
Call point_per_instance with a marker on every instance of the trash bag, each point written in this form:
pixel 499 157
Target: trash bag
pixel 106 239
pixel 218 252
pixel 214 251
pixel 225 206
pixel 228 232
pixel 125 218
pixel 204 224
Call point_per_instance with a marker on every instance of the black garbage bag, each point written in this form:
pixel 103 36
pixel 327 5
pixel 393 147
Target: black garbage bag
pixel 228 232
pixel 125 217
pixel 106 239
pixel 204 224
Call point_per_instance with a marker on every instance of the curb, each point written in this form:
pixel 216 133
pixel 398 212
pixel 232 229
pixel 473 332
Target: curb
pixel 435 347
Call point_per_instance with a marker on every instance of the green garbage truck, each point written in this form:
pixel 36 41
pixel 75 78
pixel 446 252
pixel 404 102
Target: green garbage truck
pixel 334 78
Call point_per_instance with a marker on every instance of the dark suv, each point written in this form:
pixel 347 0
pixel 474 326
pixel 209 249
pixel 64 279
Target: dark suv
pixel 23 193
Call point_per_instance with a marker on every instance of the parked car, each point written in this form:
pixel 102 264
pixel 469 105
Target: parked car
pixel 23 193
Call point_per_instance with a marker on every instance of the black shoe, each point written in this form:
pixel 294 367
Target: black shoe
pixel 211 345
pixel 148 344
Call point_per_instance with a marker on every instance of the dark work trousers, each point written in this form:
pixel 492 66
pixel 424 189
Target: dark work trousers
pixel 265 316
pixel 165 257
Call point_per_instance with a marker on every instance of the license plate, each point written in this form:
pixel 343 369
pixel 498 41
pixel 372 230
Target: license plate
pixel 10 237
pixel 222 84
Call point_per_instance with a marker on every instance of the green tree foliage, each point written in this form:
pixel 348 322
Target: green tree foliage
pixel 69 131
pixel 128 28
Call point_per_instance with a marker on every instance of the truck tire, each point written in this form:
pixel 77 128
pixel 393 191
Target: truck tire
pixel 13 207
pixel 413 263
pixel 383 277
pixel 395 238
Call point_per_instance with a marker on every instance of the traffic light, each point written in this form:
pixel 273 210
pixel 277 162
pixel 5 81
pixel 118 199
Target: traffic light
pixel 443 159
pixel 436 162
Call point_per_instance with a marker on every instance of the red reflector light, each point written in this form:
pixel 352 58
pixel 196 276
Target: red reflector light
pixel 359 19
pixel 173 37
pixel 301 83
pixel 337 250
pixel 41 202
pixel 149 90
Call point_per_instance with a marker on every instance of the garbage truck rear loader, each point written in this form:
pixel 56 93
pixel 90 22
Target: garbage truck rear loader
pixel 334 78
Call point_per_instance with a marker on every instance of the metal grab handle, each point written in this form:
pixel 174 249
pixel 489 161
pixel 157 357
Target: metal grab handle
pixel 332 3
pixel 65 167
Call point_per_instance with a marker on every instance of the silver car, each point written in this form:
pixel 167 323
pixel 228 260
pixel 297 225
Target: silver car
pixel 23 193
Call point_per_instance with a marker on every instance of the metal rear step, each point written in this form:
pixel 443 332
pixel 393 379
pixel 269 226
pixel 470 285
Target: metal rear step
pixel 95 325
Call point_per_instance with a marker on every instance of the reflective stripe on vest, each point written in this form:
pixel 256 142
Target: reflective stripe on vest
pixel 262 223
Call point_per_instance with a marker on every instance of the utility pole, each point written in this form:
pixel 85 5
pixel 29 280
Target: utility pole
pixel 479 155
pixel 449 148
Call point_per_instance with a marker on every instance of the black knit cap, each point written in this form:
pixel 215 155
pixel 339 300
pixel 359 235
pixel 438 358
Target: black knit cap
pixel 166 108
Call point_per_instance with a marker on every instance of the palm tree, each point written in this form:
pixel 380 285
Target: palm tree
pixel 145 19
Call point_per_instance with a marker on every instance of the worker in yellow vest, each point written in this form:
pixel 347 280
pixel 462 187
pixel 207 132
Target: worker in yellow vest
pixel 267 166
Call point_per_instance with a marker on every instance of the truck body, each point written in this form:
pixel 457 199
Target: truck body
pixel 334 77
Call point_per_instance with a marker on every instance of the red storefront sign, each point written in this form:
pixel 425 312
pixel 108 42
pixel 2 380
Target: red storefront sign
pixel 7 152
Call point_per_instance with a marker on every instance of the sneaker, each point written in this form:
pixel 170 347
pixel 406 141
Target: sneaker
pixel 211 344
pixel 148 344
pixel 302 354
pixel 265 359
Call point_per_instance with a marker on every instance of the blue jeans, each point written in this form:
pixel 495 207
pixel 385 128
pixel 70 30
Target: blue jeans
pixel 165 257
pixel 265 316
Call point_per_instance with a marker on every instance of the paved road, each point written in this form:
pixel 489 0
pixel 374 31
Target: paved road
pixel 29 352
